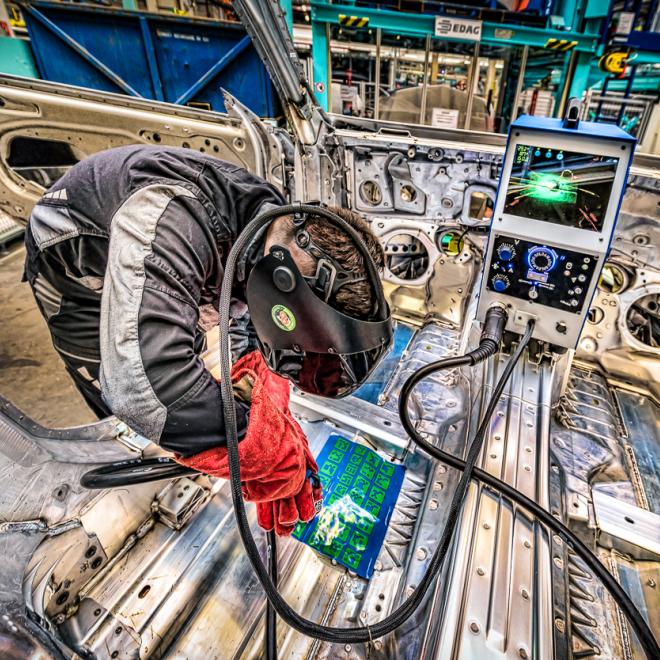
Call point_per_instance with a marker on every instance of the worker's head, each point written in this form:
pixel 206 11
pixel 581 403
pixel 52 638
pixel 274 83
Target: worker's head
pixel 356 297
pixel 316 299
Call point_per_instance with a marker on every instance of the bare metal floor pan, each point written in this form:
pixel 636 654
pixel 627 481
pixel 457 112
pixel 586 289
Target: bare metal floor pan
pixel 173 580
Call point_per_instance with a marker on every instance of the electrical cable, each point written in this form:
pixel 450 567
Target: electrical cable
pixel 134 471
pixel 404 611
pixel 621 598
pixel 489 344
pixel 271 614
pixel 284 610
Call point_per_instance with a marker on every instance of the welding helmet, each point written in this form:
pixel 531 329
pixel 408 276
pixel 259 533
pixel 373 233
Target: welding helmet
pixel 302 336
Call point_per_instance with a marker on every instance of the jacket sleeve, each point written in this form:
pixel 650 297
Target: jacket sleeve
pixel 160 257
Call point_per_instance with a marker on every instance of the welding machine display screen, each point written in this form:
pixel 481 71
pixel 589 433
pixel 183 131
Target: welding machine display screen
pixel 563 187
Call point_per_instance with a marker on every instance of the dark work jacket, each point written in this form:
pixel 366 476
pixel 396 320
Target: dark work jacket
pixel 121 253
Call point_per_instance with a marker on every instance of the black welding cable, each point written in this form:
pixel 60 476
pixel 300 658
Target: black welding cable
pixel 489 343
pixel 285 611
pixel 399 616
pixel 621 598
pixel 364 634
pixel 271 614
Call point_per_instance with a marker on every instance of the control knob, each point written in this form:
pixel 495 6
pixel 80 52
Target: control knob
pixel 500 283
pixel 541 259
pixel 506 252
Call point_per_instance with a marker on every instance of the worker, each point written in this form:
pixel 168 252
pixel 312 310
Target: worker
pixel 125 258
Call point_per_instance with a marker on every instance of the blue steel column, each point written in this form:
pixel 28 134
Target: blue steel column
pixel 568 10
pixel 580 80
pixel 150 53
pixel 287 8
pixel 320 58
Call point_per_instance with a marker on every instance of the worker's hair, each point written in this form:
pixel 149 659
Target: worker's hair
pixel 357 298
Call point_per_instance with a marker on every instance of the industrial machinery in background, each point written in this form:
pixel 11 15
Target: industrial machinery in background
pixel 476 65
pixel 155 569
pixel 628 93
pixel 459 66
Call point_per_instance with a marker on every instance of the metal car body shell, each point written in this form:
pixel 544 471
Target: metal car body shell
pixel 156 570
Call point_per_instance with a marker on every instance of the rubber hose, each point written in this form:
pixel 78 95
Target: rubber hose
pixel 630 611
pixel 290 616
pixel 312 629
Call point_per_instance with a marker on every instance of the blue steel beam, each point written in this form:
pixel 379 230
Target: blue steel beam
pixel 419 25
pixel 646 57
pixel 321 63
pixel 81 50
pixel 580 80
pixel 287 8
pixel 150 52
pixel 226 59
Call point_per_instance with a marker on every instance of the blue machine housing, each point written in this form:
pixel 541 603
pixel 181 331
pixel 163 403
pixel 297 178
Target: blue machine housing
pixel 174 59
pixel 544 258
pixel 597 130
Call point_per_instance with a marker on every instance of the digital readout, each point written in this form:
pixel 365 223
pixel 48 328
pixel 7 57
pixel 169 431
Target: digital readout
pixel 536 276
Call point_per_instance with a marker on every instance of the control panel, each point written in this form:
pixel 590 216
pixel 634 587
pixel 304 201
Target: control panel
pixel 546 275
pixel 555 213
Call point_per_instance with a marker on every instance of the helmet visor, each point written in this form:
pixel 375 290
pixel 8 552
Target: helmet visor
pixel 333 375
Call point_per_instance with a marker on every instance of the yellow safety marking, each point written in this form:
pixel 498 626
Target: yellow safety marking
pixel 613 62
pixel 560 44
pixel 352 21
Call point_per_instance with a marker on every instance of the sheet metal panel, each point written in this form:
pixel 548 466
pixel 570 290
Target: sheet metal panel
pixel 174 59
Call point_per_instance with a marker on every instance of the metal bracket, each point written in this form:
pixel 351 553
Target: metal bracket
pixel 406 196
pixel 572 113
pixel 178 501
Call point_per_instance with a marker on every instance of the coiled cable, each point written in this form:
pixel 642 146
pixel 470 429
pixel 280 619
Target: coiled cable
pixel 620 597
pixel 406 609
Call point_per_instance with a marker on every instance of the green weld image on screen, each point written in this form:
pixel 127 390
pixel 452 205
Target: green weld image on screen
pixel 360 490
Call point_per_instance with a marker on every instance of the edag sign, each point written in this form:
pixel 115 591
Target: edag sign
pixel 458 28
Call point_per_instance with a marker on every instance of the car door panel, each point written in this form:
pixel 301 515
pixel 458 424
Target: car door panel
pixel 46 128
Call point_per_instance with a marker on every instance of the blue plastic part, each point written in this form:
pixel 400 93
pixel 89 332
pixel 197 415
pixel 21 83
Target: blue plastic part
pixel 165 58
pixel 360 490
pixel 500 285
pixel 585 128
pixel 505 254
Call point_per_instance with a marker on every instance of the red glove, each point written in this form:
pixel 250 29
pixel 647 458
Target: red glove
pixel 274 453
pixel 283 514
